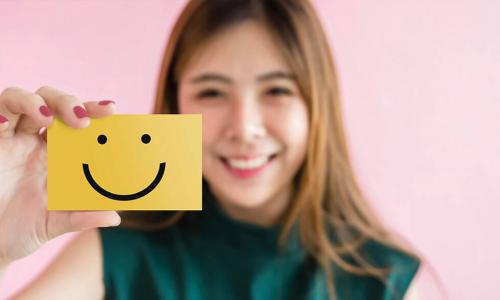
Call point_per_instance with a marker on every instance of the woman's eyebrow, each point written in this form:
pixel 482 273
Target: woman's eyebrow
pixel 276 75
pixel 224 79
pixel 211 77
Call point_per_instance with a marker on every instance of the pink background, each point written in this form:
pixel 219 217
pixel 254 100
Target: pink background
pixel 420 84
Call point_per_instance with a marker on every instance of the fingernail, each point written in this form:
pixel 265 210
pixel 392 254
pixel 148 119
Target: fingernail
pixel 106 102
pixel 44 110
pixel 3 119
pixel 80 112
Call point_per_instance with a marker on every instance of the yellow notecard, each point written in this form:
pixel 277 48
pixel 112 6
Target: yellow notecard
pixel 126 162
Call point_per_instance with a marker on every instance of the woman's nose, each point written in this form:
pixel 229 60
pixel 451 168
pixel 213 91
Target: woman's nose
pixel 245 122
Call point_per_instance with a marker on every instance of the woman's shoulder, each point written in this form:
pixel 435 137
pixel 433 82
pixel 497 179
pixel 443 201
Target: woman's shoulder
pixel 132 239
pixel 385 255
pixel 399 266
pixel 120 232
pixel 135 259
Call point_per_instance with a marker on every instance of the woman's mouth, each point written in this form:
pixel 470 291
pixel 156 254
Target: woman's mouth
pixel 247 167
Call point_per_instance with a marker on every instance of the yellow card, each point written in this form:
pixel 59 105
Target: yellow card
pixel 126 162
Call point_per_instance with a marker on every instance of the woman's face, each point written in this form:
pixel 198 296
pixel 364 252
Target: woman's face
pixel 255 122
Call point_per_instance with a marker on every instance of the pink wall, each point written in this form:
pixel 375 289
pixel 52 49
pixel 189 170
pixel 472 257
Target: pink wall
pixel 419 82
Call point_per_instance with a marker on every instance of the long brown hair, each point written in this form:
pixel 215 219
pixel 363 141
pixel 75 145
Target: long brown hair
pixel 327 200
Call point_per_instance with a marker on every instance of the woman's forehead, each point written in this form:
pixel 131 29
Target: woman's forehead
pixel 243 50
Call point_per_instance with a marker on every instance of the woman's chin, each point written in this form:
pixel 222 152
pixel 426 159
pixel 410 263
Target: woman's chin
pixel 250 200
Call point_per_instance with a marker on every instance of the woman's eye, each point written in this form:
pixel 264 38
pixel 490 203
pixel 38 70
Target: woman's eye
pixel 277 91
pixel 209 94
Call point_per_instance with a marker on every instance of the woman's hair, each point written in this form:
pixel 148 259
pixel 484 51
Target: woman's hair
pixel 327 200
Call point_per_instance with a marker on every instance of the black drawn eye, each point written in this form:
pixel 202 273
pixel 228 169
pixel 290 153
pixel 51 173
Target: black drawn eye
pixel 102 139
pixel 145 138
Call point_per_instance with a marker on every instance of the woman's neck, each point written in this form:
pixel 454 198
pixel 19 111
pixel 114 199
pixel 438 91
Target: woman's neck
pixel 269 214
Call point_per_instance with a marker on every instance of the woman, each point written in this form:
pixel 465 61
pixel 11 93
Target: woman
pixel 283 216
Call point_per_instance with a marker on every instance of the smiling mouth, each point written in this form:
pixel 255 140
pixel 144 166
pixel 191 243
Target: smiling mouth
pixel 124 197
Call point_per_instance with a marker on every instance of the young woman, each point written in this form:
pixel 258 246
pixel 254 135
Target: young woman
pixel 283 216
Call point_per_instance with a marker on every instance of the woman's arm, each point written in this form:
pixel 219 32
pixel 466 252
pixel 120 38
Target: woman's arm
pixel 75 274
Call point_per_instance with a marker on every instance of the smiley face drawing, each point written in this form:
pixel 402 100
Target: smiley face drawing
pixel 102 139
pixel 126 162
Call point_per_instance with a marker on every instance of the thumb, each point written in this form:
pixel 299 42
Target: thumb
pixel 60 222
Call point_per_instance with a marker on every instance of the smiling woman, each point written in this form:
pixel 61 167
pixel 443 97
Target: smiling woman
pixel 255 136
pixel 283 215
pixel 274 151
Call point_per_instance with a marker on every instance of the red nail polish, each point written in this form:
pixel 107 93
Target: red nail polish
pixel 106 102
pixel 80 112
pixel 3 119
pixel 44 110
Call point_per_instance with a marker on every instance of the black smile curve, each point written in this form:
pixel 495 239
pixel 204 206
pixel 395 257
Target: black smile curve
pixel 128 197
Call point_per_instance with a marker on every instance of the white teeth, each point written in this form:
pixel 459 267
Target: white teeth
pixel 246 164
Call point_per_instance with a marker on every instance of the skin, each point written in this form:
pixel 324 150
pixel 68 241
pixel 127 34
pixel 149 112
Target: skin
pixel 252 116
pixel 25 223
pixel 251 105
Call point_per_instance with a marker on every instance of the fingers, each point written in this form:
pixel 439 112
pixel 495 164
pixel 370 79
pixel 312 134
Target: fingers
pixel 67 107
pixel 61 222
pixel 99 109
pixel 16 103
pixel 4 123
pixel 43 134
pixel 95 109
pixel 23 111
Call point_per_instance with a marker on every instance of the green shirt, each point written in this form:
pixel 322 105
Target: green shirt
pixel 208 255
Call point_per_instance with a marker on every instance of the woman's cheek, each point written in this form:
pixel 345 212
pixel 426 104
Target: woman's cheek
pixel 291 123
pixel 211 126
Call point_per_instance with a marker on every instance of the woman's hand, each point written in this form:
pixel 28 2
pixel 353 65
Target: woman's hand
pixel 25 223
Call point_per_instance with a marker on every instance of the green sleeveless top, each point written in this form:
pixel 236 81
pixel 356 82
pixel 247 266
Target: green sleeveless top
pixel 208 255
